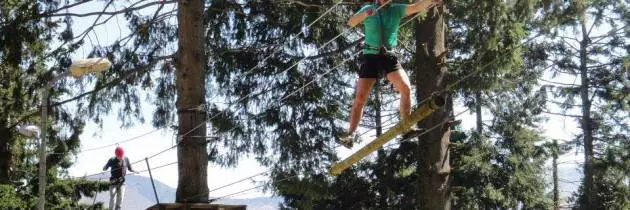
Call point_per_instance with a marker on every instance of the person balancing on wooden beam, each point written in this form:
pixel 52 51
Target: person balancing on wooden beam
pixel 381 21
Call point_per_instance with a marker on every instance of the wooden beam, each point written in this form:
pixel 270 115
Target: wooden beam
pixel 435 102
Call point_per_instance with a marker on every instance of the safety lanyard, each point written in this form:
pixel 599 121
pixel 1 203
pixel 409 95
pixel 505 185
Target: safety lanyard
pixel 382 49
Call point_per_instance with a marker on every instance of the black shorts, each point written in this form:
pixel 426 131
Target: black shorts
pixel 377 66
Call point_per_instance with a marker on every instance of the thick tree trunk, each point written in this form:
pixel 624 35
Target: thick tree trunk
pixel 192 154
pixel 587 126
pixel 433 160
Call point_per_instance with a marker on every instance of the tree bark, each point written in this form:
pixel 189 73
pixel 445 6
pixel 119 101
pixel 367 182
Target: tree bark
pixel 433 155
pixel 192 154
pixel 6 155
pixel 377 109
pixel 381 157
pixel 478 112
pixel 587 126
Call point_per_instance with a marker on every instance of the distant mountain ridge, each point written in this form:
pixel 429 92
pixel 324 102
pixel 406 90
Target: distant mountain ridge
pixel 139 195
pixel 139 192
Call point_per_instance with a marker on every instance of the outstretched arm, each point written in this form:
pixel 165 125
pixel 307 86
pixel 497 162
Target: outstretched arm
pixel 421 5
pixel 107 165
pixel 129 165
pixel 360 17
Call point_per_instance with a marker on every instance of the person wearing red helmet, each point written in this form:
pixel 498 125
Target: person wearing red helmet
pixel 119 165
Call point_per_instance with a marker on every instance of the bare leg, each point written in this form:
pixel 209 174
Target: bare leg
pixel 364 86
pixel 400 80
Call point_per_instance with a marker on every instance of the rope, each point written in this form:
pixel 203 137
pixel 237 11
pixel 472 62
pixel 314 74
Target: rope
pixel 271 106
pixel 119 142
pixel 449 87
pixel 258 65
pixel 293 176
pixel 302 87
pixel 239 181
pixel 292 38
pixel 265 90
pixel 216 115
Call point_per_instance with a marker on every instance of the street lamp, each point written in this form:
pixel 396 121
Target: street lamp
pixel 77 69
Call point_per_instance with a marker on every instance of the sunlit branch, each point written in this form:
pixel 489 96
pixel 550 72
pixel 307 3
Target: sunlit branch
pixel 109 13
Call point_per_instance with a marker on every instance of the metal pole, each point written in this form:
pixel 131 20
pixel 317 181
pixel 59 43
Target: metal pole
pixel 96 193
pixel 153 184
pixel 556 193
pixel 42 150
pixel 42 141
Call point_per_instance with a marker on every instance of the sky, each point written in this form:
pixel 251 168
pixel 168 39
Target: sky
pixel 92 162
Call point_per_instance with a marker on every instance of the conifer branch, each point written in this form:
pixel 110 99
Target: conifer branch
pixel 564 104
pixel 95 90
pixel 559 83
pixel 334 52
pixel 617 31
pixel 128 9
pixel 116 81
pixel 64 7
pixel 561 114
pixel 569 44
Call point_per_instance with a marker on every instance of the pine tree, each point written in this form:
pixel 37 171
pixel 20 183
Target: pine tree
pixel 594 55
pixel 273 110
pixel 495 43
pixel 27 61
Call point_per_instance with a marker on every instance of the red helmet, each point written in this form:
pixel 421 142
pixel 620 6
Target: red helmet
pixel 119 152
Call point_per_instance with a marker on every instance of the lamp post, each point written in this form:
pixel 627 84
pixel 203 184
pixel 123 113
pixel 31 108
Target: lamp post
pixel 77 69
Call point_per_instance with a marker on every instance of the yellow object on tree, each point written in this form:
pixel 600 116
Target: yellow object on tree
pixel 90 65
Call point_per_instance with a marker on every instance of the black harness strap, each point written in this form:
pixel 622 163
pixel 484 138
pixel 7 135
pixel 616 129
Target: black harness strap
pixel 382 49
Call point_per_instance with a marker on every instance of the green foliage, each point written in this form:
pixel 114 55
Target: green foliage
pixel 611 185
pixel 487 35
pixel 590 43
pixel 10 199
pixel 30 56
pixel 505 171
pixel 349 191
pixel 251 47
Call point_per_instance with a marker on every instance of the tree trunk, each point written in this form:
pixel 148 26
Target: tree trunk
pixel 377 109
pixel 383 190
pixel 433 155
pixel 587 126
pixel 5 155
pixel 478 112
pixel 192 154
pixel 556 192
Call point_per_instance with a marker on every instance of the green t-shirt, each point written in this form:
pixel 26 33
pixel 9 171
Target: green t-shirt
pixel 391 16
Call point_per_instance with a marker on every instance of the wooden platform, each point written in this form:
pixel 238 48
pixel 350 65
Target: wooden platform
pixel 196 206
